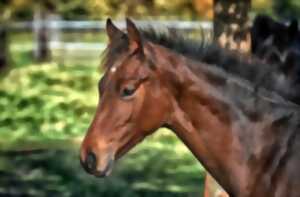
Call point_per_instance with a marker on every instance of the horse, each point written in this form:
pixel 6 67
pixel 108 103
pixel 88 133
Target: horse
pixel 236 124
pixel 278 43
pixel 267 34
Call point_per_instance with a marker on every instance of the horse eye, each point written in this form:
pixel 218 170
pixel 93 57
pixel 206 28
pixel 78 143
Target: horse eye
pixel 128 90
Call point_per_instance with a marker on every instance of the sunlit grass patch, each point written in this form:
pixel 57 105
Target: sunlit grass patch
pixel 47 101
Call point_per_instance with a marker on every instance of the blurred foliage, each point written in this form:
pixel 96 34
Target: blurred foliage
pixel 287 9
pixel 5 10
pixel 100 9
pixel 263 6
pixel 153 9
pixel 47 101
pixel 51 105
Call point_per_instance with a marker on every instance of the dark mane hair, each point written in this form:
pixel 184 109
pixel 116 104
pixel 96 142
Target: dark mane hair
pixel 249 68
pixel 240 65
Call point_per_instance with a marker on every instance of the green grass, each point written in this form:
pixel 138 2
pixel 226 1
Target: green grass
pixel 47 101
pixel 50 106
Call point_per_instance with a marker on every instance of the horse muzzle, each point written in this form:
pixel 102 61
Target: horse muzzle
pixel 97 166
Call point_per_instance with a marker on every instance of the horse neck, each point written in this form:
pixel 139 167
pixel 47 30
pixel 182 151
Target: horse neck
pixel 205 120
pixel 202 122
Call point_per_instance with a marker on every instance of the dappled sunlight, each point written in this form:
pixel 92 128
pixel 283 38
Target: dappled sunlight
pixel 48 100
pixel 50 66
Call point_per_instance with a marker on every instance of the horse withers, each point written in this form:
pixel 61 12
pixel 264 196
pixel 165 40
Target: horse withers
pixel 236 124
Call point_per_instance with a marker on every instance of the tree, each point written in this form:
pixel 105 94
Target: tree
pixel 41 32
pixel 231 24
pixel 7 10
pixel 4 55
pixel 5 13
pixel 231 30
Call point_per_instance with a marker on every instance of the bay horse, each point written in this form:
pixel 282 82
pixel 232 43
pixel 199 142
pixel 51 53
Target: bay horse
pixel 236 124
pixel 278 43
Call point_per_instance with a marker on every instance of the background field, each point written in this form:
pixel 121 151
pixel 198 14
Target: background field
pixel 47 106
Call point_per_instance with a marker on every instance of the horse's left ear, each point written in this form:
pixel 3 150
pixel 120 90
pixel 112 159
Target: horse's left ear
pixel 135 38
pixel 113 32
pixel 293 28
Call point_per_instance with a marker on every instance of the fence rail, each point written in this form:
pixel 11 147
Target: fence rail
pixel 100 25
pixel 61 48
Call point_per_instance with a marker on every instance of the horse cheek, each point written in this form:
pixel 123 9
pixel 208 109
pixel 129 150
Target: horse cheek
pixel 153 112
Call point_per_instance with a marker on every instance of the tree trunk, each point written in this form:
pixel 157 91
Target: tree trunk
pixel 232 31
pixel 231 24
pixel 5 14
pixel 42 52
pixel 4 55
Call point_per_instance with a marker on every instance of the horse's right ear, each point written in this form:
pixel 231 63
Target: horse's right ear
pixel 112 31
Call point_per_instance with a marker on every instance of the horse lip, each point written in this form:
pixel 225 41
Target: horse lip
pixel 101 174
pixel 106 172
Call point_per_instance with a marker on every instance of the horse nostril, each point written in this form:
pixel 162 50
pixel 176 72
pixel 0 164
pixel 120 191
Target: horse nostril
pixel 91 161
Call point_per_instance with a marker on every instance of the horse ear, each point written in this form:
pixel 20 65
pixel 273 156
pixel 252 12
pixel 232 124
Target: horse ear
pixel 293 28
pixel 135 39
pixel 112 31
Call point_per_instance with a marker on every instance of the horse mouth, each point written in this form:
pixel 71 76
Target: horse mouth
pixel 100 171
pixel 105 172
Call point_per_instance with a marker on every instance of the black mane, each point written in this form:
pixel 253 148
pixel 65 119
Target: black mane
pixel 245 67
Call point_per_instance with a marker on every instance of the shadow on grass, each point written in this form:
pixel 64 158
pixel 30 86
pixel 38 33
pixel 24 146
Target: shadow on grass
pixel 155 171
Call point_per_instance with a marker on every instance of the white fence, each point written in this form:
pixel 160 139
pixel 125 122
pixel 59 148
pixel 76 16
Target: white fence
pixel 61 47
pixel 100 25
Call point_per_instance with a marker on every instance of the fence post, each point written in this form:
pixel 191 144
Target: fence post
pixel 4 55
pixel 41 34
